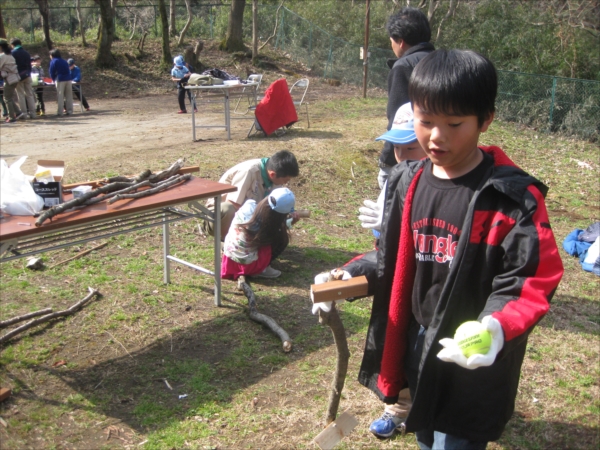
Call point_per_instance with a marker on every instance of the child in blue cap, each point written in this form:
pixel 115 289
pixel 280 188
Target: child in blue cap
pixel 180 74
pixel 258 235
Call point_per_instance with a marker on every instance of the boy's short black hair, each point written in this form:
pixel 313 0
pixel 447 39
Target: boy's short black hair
pixel 284 164
pixel 36 57
pixel 410 25
pixel 55 53
pixel 455 82
pixel 15 41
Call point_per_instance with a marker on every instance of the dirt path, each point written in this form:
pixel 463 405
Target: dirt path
pixel 112 129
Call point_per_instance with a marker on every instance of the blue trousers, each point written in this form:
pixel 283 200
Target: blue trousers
pixel 430 439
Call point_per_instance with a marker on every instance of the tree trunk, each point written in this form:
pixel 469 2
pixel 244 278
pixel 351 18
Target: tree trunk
pixel 188 6
pixel 106 35
pixel 166 50
pixel 2 31
pixel 81 30
pixel 234 41
pixel 172 23
pixel 45 13
pixel 254 31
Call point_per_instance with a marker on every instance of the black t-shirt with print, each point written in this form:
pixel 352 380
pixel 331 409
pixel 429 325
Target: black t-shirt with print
pixel 438 212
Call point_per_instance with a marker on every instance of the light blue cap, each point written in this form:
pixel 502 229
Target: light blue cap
pixel 282 200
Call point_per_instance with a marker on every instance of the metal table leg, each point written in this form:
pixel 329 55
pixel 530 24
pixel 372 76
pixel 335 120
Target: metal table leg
pixel 217 233
pixel 166 251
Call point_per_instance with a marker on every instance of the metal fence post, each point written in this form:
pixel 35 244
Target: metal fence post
pixel 329 58
pixel 552 102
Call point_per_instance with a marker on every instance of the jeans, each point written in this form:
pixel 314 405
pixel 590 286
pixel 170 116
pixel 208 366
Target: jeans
pixel 430 439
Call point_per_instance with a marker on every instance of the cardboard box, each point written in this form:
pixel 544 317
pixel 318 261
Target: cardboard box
pixel 51 192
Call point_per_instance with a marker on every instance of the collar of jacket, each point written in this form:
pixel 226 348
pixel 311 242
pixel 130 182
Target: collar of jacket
pixel 414 49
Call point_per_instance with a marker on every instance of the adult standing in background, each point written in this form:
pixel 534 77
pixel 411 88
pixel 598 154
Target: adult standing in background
pixel 76 78
pixel 10 75
pixel 409 33
pixel 24 87
pixel 61 76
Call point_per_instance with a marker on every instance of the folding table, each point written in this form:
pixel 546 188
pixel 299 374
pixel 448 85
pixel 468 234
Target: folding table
pixel 19 237
pixel 224 91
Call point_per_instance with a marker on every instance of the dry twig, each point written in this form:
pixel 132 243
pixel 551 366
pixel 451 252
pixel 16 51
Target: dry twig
pixel 79 255
pixel 48 317
pixel 265 320
pixel 30 315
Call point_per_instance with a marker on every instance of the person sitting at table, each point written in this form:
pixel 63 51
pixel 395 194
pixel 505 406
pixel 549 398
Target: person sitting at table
pixel 180 74
pixel 76 78
pixel 258 235
pixel 37 69
pixel 254 180
pixel 61 75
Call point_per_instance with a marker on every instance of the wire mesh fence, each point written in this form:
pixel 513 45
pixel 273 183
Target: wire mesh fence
pixel 554 104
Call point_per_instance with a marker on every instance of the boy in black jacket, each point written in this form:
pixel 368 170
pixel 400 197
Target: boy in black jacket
pixel 465 236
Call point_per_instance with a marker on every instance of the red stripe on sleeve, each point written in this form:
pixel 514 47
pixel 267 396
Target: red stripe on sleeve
pixel 519 315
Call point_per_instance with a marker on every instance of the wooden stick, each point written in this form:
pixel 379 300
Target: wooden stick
pixel 46 318
pixel 265 320
pixel 159 187
pixel 79 255
pixel 30 315
pixel 167 173
pixel 98 183
pixel 332 318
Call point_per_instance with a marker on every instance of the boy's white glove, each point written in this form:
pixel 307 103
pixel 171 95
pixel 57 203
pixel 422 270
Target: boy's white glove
pixel 371 214
pixel 324 278
pixel 452 353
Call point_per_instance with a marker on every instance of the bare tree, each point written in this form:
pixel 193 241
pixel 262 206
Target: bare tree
pixel 81 30
pixel 255 31
pixel 450 13
pixel 164 21
pixel 234 41
pixel 106 34
pixel 45 13
pixel 2 31
pixel 188 6
pixel 172 22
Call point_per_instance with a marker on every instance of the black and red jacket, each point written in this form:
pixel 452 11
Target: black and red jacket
pixel 506 264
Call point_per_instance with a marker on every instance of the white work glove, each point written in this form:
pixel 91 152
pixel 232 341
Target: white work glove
pixel 452 353
pixel 371 214
pixel 323 278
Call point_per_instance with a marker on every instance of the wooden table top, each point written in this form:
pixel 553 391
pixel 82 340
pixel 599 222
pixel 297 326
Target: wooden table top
pixel 12 227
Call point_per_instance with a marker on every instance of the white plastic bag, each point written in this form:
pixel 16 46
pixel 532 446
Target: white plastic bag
pixel 17 197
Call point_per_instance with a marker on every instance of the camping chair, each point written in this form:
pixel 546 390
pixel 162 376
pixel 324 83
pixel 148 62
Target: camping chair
pixel 254 78
pixel 276 110
pixel 301 87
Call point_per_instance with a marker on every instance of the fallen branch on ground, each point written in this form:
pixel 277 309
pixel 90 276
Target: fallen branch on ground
pixel 265 320
pixel 48 317
pixel 30 315
pixel 79 255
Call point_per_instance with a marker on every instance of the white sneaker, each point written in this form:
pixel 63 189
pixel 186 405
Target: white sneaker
pixel 269 272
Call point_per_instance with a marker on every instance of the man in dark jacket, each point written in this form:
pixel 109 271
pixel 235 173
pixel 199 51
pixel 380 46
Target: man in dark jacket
pixel 409 36
pixel 24 87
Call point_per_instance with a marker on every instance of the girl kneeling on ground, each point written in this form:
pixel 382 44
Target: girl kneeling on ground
pixel 258 235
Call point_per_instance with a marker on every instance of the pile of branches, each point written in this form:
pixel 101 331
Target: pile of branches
pixel 119 187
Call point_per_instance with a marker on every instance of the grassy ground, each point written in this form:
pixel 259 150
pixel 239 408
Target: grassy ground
pixel 96 379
